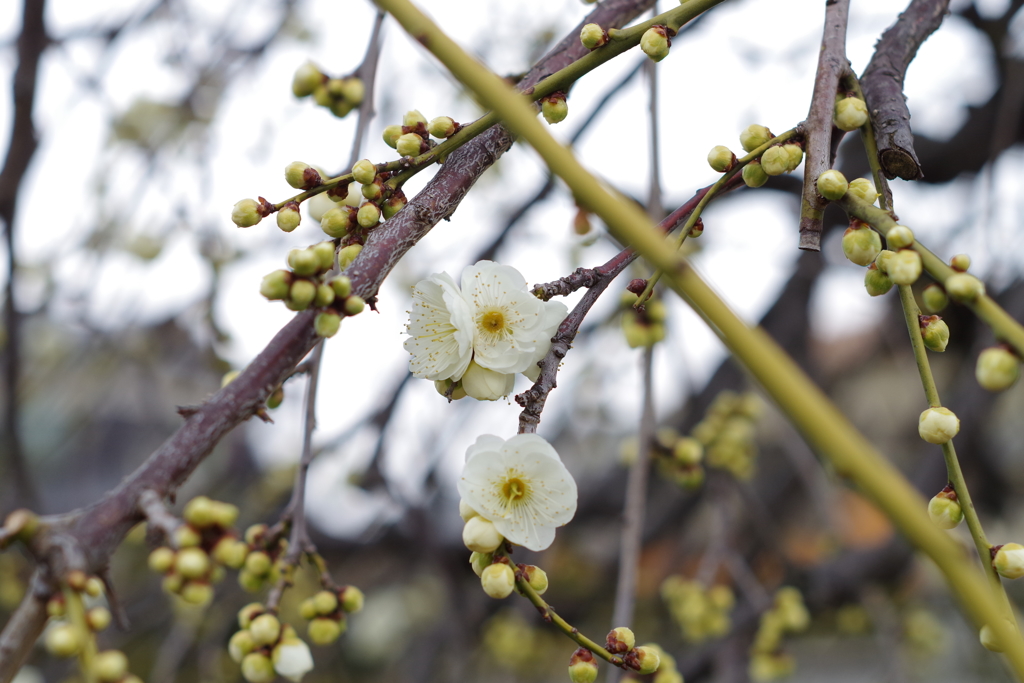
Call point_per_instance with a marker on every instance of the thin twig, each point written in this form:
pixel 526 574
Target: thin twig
pixel 832 64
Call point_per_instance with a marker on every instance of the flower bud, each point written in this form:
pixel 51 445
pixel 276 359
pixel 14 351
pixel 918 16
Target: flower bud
pixel 322 95
pixel 265 629
pixel 988 638
pixel 250 612
pixel 582 667
pixel 861 245
pixel 98 618
pixel 303 262
pixel 110 665
pixel 484 384
pixel 753 136
pixel 338 221
pixel 467 513
pixel 413 118
pixel 1009 560
pixel 899 236
pixel 192 563
pixel 655 43
pixel 353 90
pixel 354 305
pixel 292 659
pixel 172 583
pixel 301 295
pixel 347 255
pixel 301 176
pixel 832 185
pixel 754 175
pixel 480 561
pixel 905 267
pixel 593 36
pixel 688 451
pixel 933 298
pixel 246 213
pixel 775 160
pixel 938 425
pixel 240 645
pixel 795 153
pixel 323 631
pixel 498 580
pixel 945 511
pixel 391 135
pixel 374 191
pixel 306 79
pixel 997 369
pixel 340 107
pixel 935 333
pixel 721 158
pixel 161 560
pixel 324 252
pixel 288 218
pixel 258 562
pixel 273 401
pixel 876 282
pixel 229 551
pixel 352 599
pixel 537 578
pixel 554 109
pixel 964 288
pixel 647 660
pixel 325 602
pixel 697 229
pixel 327 324
pixel 55 606
pixel 960 262
pixel 409 144
pixel 364 172
pixel 324 296
pixel 620 640
pixel 257 668
pixel 186 537
pixel 442 127
pixel 393 205
pixel 341 285
pixel 63 640
pixel 196 592
pixel 863 189
pixel 368 215
pixel 481 536
pixel 851 113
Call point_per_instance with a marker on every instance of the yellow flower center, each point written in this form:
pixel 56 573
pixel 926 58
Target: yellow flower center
pixel 513 490
pixel 492 321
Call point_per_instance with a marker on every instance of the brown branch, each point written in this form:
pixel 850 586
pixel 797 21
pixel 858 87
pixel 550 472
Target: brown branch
pixel 882 83
pixel 832 64
pixel 151 504
pixel 30 617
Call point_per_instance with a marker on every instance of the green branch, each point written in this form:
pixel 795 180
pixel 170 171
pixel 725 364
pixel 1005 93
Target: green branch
pixel 824 427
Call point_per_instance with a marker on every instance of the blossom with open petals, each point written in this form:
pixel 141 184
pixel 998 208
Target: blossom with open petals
pixel 521 486
pixel 292 659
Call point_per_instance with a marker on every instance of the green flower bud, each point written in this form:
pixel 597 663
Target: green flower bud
pixel 444 385
pixel 240 645
pixel 498 580
pixel 964 288
pixel 161 560
pixel 832 185
pixel 944 510
pixel 322 95
pixel 582 667
pixel 250 612
pixel 301 176
pixel 63 641
pixel 1009 560
pixel 338 221
pixel 861 245
pixel 480 562
pixel 620 640
pixel 960 262
pixel 364 172
pixel 276 285
pixel 187 537
pixel 876 282
pixel 368 215
pixel 199 512
pixel 373 191
pixel 754 175
pixel 537 578
pixel 647 660
pixel 688 451
pixel 997 369
pixel 851 113
pixel 98 618
pixel 775 160
pixel 933 298
pixel 257 668
pixel 258 562
pixel 323 631
pixel 307 609
pixel 554 109
pixel 899 236
pixel 246 213
pixel 938 425
pixel 753 136
pixel 304 262
pixel 347 255
pixel 352 599
pixel 393 205
pixel 864 190
pixel 480 535
pixel 796 155
pixel 935 333
pixel 197 593
pixel 655 43
pixel 249 582
pixel 988 637
pixel 354 305
pixel 324 296
pixel 94 586
pixel 341 285
pixel 593 36
pixel 21 524
pixel 413 118
pixel 325 602
pixel 697 229
pixel 884 260
pixel 55 606
pixel 273 401
pixel 353 90
pixel 327 324
pixel 172 583
pixel 325 255
pixel 306 79
pixel 409 145
pixel 301 294
pixel 110 665
pixel 391 135
pixel 192 563
pixel 265 629
pixel 229 551
pixel 721 158
pixel 288 218
pixel 442 127
pixel 905 267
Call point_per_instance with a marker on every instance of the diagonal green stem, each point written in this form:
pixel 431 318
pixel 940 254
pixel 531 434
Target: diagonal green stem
pixel 821 423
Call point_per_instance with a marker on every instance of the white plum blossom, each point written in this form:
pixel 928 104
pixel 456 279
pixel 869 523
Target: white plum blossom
pixel 292 659
pixel 492 320
pixel 521 486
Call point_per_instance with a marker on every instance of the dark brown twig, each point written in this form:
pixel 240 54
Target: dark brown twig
pixel 882 83
pixel 832 64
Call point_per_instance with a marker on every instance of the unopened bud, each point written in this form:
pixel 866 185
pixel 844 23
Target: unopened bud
pixel 851 113
pixel 393 205
pixel 593 36
pixel 409 144
pixel 192 563
pixel 374 191
pixel 554 108
pixel 935 333
pixel 481 536
pixel 348 254
pixel 688 451
pixel 861 245
pixel 325 255
pixel 938 425
pixel 110 665
pixel 338 221
pixel 997 369
pixel 413 118
pixel 647 660
pixel 197 593
pixel 364 172
pixel 353 90
pixel 721 158
pixel 288 218
pixel 964 288
pixel 257 668
pixel 303 262
pixel 620 640
pixel 1009 560
pixel 63 640
pixel 899 236
pixel 327 324
pixel 265 629
pixel 229 551
pixel 944 509
pixel 498 580
pixel 655 43
pixel 960 262
pixel 301 294
pixel 905 267
pixel 325 602
pixel 753 136
pixel 258 562
pixel 775 160
pixel 306 79
pixel 324 631
pixel 933 298
pixel 240 645
pixel 352 599
pixel 863 189
pixel 341 285
pixel 754 175
pixel 301 175
pixel 536 577
pixel 161 560
pixel 795 155
pixel 582 667
pixel 391 135
pixel 465 511
pixel 442 127
pixel 876 282
pixel 480 562
pixel 354 305
pixel 368 215
pixel 832 185
pixel 273 401
pixel 246 213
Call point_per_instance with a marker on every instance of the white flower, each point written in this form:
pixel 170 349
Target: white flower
pixel 521 486
pixel 292 659
pixel 492 320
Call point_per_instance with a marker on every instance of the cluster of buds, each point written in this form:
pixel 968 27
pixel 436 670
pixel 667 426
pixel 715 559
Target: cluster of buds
pixel 901 267
pixel 412 138
pixel 326 612
pixel 702 613
pixel 727 433
pixel 643 659
pixel 656 41
pixel 788 614
pixel 75 626
pixel 934 332
pixel 203 546
pixel 781 159
pixel 944 508
pixel 351 221
pixel 339 95
pixel 679 458
pixel 261 566
pixel 752 137
pixel 266 648
pixel 861 244
pixel 998 368
pixel 850 113
pixel 644 326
